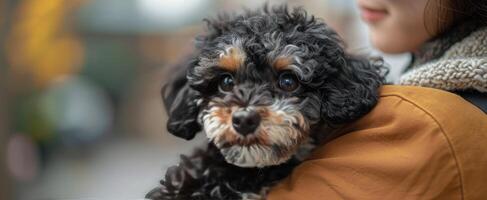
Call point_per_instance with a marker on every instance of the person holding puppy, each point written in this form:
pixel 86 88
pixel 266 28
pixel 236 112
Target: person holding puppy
pixel 427 136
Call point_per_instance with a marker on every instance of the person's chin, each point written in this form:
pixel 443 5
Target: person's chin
pixel 385 42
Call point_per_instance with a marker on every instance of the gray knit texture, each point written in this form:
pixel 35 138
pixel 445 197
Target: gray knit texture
pixel 462 67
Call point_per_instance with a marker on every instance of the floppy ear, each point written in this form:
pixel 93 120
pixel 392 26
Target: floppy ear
pixel 181 104
pixel 347 85
pixel 354 90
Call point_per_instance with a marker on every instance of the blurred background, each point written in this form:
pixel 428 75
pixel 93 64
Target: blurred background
pixel 80 112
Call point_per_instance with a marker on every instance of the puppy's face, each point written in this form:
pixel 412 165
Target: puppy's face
pixel 256 99
pixel 260 81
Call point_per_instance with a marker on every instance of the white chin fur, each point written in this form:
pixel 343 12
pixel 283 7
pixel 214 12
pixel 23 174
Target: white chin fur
pixel 277 133
pixel 252 156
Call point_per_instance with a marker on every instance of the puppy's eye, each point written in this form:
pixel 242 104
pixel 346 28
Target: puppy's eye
pixel 288 81
pixel 226 82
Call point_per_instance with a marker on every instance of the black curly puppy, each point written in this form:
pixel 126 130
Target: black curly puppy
pixel 265 87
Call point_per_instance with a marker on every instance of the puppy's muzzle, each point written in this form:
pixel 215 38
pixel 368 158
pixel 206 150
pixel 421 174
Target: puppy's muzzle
pixel 245 121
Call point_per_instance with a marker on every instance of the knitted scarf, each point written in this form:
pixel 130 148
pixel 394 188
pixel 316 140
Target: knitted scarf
pixel 456 61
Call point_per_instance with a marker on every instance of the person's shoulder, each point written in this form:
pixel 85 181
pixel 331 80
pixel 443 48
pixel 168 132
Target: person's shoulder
pixel 421 95
pixel 459 121
pixel 439 104
pixel 421 111
pixel 421 108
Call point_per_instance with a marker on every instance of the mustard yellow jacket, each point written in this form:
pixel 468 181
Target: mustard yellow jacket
pixel 417 143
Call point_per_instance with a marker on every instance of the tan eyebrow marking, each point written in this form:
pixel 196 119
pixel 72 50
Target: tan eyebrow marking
pixel 232 59
pixel 281 63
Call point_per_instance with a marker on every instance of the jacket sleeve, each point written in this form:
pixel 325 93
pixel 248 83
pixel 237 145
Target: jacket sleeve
pixel 397 151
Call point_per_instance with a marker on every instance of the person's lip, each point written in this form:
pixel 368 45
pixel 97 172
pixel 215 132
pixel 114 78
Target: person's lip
pixel 372 14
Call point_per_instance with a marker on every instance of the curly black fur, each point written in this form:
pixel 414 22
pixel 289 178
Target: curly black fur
pixel 335 88
pixel 206 175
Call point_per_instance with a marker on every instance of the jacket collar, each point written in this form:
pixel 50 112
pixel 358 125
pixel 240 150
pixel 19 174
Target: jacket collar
pixel 453 62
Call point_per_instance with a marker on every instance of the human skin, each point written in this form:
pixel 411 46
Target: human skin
pixel 398 26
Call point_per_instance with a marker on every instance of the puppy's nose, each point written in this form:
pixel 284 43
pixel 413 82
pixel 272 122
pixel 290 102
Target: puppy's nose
pixel 245 121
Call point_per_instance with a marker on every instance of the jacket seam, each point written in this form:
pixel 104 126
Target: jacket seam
pixel 450 145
